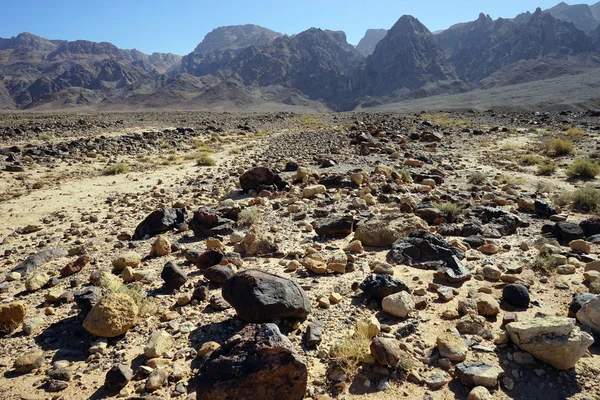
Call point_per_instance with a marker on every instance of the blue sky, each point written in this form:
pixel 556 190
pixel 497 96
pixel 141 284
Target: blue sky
pixel 177 26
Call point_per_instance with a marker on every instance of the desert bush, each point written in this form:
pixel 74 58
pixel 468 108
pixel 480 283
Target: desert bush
pixel 510 146
pixel 530 159
pixel 248 216
pixel 543 187
pixel 575 132
pixel 583 168
pixel 116 169
pixel 450 211
pixel 205 161
pixel 351 350
pixel 134 290
pixel 546 263
pixel 405 175
pixel 546 168
pixel 204 149
pixel 560 147
pixel 586 199
pixel 477 178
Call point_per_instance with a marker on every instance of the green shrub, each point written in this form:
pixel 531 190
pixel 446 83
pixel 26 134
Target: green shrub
pixel 560 147
pixel 530 159
pixel 248 216
pixel 546 168
pixel 205 161
pixel 586 199
pixel 450 210
pixel 477 178
pixel 583 168
pixel 116 169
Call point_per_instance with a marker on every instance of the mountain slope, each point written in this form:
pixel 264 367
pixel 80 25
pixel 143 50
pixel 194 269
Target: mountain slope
pixel 367 44
pixel 580 15
pixel 236 37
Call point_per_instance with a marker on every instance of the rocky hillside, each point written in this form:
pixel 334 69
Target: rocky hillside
pixel 367 44
pixel 236 37
pixel 581 15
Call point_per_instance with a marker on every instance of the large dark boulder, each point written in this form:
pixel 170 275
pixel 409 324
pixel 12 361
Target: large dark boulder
pixel 174 276
pixel 259 296
pixel 590 227
pixel 256 364
pixel 423 247
pixel 516 294
pixel 567 231
pixel 378 286
pixel 160 221
pixel 207 223
pixel 454 270
pixel 335 226
pixel 255 178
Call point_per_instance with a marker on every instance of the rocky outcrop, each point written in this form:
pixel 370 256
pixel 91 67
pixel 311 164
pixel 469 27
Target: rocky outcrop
pixel 372 37
pixel 160 221
pixel 258 363
pixel 383 230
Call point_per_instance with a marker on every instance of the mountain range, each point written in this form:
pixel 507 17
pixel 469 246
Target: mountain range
pixel 248 66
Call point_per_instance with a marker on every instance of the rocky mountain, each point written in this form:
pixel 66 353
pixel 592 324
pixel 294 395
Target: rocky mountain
pixel 479 48
pixel 406 59
pixel 236 37
pixel 367 44
pixel 581 15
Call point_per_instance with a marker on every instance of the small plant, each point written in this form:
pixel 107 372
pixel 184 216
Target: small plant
pixel 560 147
pixel 546 263
pixel 8 327
pixel 405 176
pixel 351 350
pixel 583 168
pixel 586 199
pixel 204 149
pixel 543 187
pixel 450 211
pixel 235 150
pixel 510 146
pixel 116 169
pixel 205 161
pixel 460 154
pixel 45 137
pixel 477 178
pixel 575 132
pixel 248 216
pixel 546 168
pixel 134 290
pixel 530 159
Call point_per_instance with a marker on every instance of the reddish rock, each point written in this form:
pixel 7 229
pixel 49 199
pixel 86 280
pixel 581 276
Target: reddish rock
pixel 75 266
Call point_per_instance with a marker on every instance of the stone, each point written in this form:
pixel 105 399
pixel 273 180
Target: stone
pixel 580 246
pixel 32 262
pixel 112 316
pixel 423 247
pixel 87 298
pixel 516 295
pixel 453 270
pixel 445 293
pixel 256 364
pixel 567 232
pixel 29 361
pixel 258 296
pixel 491 272
pixel 32 324
pixel 566 269
pixel 12 316
pixel 590 227
pixel 593 266
pixel 174 276
pixel 156 379
pixel 256 243
pixel 160 247
pixel 159 343
pixel 37 281
pixel 578 301
pixel 589 315
pixel 160 221
pixel 398 304
pixel 256 177
pixel 118 377
pixel 207 348
pixel 478 373
pixel 470 324
pixel 386 351
pixel 315 263
pixel 437 379
pixel 487 305
pixel 385 229
pixel 523 358
pixel 480 393
pixel 126 259
pixel 452 347
pixel 378 286
pixel 76 266
pixel 313 190
pixel 553 340
pixel 314 333
pixel 354 246
pixel 337 262
pixel 219 274
pixel 543 209
pixel 209 223
pixel 208 258
pixel 489 249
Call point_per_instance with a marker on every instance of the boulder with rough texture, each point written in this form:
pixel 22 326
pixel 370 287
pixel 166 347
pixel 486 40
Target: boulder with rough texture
pixel 35 260
pixel 174 276
pixel 553 340
pixel 516 294
pixel 159 343
pixel 259 296
pixel 126 259
pixel 313 190
pixel 255 178
pixel 257 243
pixel 29 361
pixel 160 221
pixel 160 247
pixel 335 226
pixel 379 286
pixel 424 247
pixel 487 305
pixel 114 315
pixel 75 266
pixel 386 351
pixel 12 316
pixel 398 304
pixel 478 373
pixel 384 229
pixel 209 223
pixel 452 347
pixel 87 298
pixel 37 281
pixel 118 377
pixel 256 364
pixel 589 314
pixel 567 232
pixel 590 227
pixel 480 393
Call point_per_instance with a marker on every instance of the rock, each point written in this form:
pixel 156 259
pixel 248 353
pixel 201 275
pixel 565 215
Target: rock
pixel 452 347
pixel 54 386
pixel 313 190
pixel 566 269
pixel 480 393
pixel 87 298
pixel 160 221
pixel 126 259
pixel 75 267
pixel 160 247
pixel 553 340
pixel 12 316
pixel 492 273
pixel 398 304
pixel 354 246
pixel 34 261
pixel 256 243
pixel 335 226
pixel 384 229
pixel 487 305
pixel 386 351
pixel 589 315
pixel 516 294
pixel 256 364
pixel 453 270
pixel 208 223
pixel 593 266
pixel 118 377
pixel 379 286
pixel 314 333
pixel 478 373
pixel 32 324
pixel 489 248
pixel 156 379
pixel 470 324
pixel 174 276
pixel 259 296
pixel 423 247
pixel 208 259
pixel 436 380
pixel 578 301
pixel 159 344
pixel 523 358
pixel 114 315
pixel 219 274
pixel 337 262
pixel 590 227
pixel 567 232
pixel 29 361
pixel 37 281
pixel 580 246
pixel 255 178
pixel 315 263
pixel 543 209
pixel 445 293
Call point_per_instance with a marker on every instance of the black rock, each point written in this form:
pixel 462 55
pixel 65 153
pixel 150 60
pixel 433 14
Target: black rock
pixel 87 298
pixel 454 270
pixel 423 247
pixel 208 223
pixel 543 209
pixel 32 262
pixel 173 276
pixel 201 291
pixel 209 258
pixel 291 166
pixel 567 231
pixel 379 286
pixel 579 300
pixel 160 221
pixel 474 241
pixel 516 295
pixel 590 227
pixel 219 273
pixel 314 332
pixel 255 178
pixel 259 296
pixel 336 226
pixel 118 377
